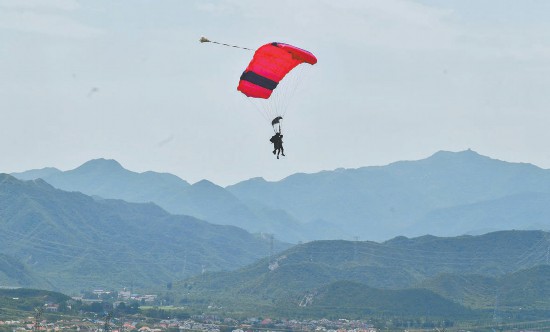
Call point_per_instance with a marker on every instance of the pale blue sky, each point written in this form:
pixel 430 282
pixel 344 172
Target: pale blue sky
pixel 396 80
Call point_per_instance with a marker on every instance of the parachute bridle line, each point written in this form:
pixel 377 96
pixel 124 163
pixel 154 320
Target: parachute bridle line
pixel 206 40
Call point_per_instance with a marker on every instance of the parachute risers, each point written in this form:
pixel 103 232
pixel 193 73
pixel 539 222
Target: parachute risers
pixel 270 64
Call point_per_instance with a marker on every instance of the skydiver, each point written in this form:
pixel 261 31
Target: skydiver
pixel 277 141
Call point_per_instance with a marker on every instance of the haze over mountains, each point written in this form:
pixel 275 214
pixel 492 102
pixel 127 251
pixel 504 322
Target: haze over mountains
pixel 79 229
pixel 66 240
pixel 447 194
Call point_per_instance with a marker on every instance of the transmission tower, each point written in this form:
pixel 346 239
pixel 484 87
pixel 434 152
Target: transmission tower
pixel 107 325
pixel 37 315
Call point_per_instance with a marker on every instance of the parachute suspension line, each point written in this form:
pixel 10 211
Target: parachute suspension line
pixel 259 109
pixel 278 103
pixel 296 81
pixel 272 105
pixel 206 40
pixel 266 111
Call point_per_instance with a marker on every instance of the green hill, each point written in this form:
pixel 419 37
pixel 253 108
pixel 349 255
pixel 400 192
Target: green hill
pixel 471 290
pixel 464 270
pixel 527 289
pixel 76 242
pixel 350 298
pixel 13 273
pixel 21 302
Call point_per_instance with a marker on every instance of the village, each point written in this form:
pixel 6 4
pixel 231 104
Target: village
pixel 196 323
pixel 96 309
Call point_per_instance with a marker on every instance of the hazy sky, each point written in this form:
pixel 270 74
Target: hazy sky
pixel 396 80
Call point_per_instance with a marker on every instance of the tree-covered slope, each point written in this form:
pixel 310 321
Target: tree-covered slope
pixel 75 241
pixel 13 273
pixel 203 200
pixel 444 265
pixel 351 298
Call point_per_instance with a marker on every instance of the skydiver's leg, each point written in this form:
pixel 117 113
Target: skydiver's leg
pixel 282 151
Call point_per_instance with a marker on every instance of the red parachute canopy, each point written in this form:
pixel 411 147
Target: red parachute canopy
pixel 269 66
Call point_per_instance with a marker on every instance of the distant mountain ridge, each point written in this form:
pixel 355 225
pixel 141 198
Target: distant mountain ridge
pixel 380 202
pixel 108 179
pixel 73 241
pixel 446 194
pixel 204 199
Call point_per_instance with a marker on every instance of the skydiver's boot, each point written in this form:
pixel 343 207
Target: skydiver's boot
pixel 277 156
pixel 273 151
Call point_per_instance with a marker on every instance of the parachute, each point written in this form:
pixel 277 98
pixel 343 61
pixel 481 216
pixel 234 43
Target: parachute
pixel 266 72
pixel 271 78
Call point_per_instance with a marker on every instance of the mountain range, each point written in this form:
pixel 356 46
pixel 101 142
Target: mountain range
pixel 408 197
pixel 69 241
pixel 447 194
pixel 204 199
pixel 102 226
pixel 406 276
